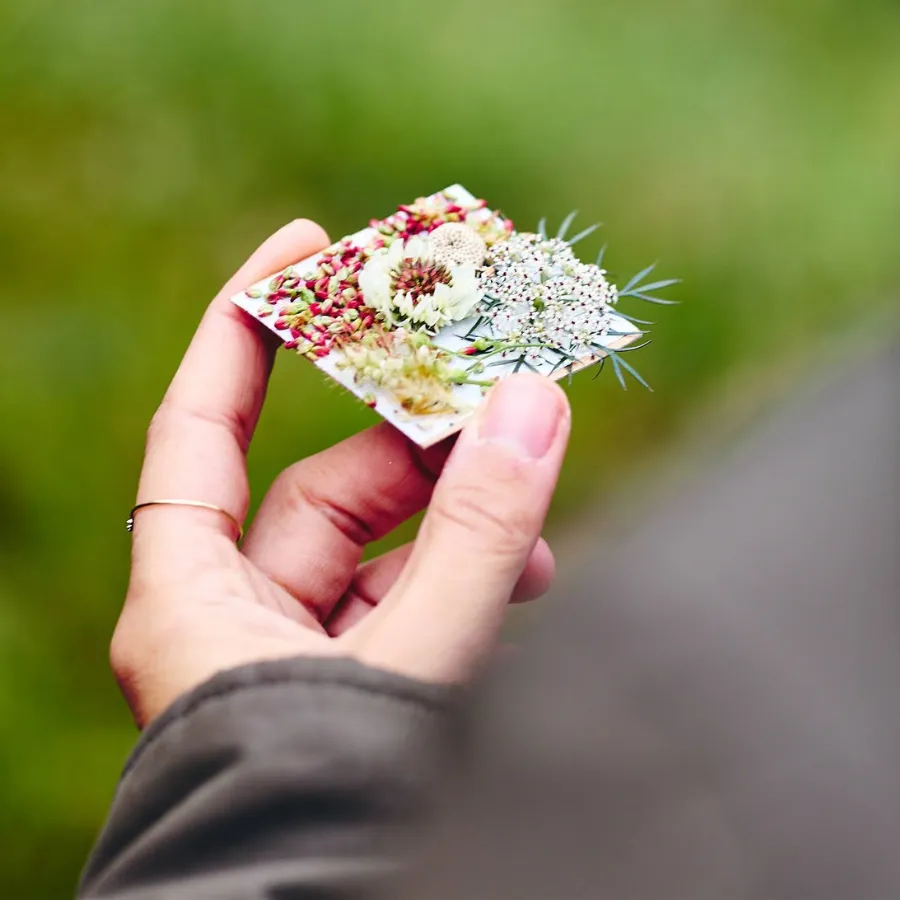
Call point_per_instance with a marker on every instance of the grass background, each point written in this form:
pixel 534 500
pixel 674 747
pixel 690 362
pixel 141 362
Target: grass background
pixel 148 146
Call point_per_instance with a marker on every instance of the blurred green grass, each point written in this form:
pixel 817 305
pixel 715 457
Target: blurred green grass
pixel 147 147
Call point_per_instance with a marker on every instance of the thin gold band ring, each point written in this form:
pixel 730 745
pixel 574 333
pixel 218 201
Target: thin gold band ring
pixel 199 504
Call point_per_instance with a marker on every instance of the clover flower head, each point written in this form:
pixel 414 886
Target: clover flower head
pixel 408 285
pixel 455 244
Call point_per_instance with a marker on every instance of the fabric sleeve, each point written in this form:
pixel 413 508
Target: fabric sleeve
pixel 301 777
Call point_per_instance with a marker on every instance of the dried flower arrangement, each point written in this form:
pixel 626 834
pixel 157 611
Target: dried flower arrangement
pixel 421 312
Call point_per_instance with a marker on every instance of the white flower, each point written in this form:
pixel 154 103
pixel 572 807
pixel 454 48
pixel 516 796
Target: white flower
pixel 541 293
pixel 408 286
pixel 455 244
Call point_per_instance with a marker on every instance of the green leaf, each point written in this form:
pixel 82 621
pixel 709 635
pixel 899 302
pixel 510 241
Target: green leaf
pixel 632 347
pixel 629 368
pixel 649 299
pixel 599 368
pixel 618 370
pixel 658 285
pixel 542 228
pixel 636 321
pixel 637 279
pixel 600 256
pixel 583 234
pixel 566 225
pixel 473 330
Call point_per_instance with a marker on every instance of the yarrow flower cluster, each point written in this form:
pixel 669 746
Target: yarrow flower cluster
pixel 537 292
pixel 420 375
pixel 386 299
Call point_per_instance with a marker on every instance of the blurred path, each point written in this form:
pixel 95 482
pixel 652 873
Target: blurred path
pixel 714 710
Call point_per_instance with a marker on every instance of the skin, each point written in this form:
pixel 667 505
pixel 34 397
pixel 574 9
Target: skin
pixel 198 604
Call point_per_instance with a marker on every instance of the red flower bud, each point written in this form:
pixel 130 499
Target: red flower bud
pixel 281 324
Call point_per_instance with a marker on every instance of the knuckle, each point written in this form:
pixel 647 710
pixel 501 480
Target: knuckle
pixel 504 527
pixel 123 655
pixel 296 488
pixel 158 424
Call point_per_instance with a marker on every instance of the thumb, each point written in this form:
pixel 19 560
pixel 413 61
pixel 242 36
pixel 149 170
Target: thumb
pixel 444 612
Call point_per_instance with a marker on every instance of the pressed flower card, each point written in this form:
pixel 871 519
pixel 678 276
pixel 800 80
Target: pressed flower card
pixel 421 312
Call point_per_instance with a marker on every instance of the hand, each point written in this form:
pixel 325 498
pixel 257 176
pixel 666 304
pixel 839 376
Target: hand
pixel 197 604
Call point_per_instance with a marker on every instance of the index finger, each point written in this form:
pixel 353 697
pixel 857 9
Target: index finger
pixel 199 436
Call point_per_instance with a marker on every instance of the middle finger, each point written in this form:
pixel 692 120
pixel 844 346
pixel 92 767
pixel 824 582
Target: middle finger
pixel 319 514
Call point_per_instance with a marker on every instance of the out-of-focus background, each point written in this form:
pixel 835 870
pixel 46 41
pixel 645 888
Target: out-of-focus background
pixel 147 147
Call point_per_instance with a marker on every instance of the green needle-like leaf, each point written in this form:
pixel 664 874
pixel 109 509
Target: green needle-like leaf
pixel 649 299
pixel 658 285
pixel 614 356
pixel 633 318
pixel 583 234
pixel 599 368
pixel 566 225
pixel 618 370
pixel 637 279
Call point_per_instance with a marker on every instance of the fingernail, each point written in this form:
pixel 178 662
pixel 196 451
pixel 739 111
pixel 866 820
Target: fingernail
pixel 523 412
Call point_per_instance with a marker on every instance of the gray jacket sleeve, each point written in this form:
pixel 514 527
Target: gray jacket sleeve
pixel 302 777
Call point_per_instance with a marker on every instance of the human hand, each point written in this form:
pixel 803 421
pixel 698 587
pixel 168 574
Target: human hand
pixel 197 604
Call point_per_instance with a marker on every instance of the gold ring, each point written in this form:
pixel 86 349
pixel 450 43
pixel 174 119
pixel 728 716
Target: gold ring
pixel 199 504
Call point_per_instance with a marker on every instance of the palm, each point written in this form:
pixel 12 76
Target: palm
pixel 296 585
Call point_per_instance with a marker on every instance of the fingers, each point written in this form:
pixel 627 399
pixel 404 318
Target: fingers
pixel 375 578
pixel 199 435
pixel 485 517
pixel 309 533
